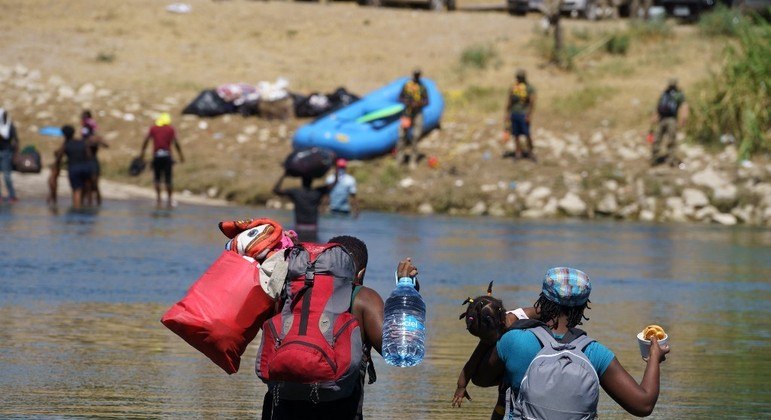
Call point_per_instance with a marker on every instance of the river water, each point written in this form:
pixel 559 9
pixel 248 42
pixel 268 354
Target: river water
pixel 81 295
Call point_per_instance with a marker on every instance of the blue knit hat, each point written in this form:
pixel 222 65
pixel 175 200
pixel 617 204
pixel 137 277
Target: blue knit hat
pixel 566 286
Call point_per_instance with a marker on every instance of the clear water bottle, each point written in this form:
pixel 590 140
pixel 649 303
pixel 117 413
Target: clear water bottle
pixel 404 331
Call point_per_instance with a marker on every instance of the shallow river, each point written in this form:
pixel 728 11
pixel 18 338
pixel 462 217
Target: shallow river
pixel 81 296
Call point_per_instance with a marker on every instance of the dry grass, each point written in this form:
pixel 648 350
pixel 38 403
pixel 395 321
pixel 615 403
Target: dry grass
pixel 161 60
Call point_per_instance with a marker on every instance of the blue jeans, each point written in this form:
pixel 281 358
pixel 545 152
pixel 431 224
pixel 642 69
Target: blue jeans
pixel 6 164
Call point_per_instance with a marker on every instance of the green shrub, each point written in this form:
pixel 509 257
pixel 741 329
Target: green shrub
pixel 618 44
pixel 736 100
pixel 479 56
pixel 105 57
pixel 722 21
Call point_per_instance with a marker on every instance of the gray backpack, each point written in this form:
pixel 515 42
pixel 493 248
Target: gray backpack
pixel 560 382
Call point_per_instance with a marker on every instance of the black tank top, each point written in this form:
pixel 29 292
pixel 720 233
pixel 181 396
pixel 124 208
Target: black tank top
pixel 76 151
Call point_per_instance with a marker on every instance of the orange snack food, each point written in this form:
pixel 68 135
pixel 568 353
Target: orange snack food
pixel 652 330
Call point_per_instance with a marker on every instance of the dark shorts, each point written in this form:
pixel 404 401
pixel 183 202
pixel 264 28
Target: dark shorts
pixel 80 174
pixel 347 408
pixel 519 127
pixel 162 169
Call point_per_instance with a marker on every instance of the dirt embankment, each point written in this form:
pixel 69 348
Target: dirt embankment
pixel 127 61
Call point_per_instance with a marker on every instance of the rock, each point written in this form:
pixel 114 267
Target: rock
pixel 407 182
pixel 212 192
pixel 425 208
pixel 743 214
pixel 626 153
pixel 489 187
pixel 496 210
pixel 242 138
pixel 86 91
pixel 629 211
pixel 647 215
pixel 264 135
pixel 692 152
pixel 511 199
pixel 273 203
pixel 550 209
pixel 532 214
pixel 522 188
pixel 458 183
pixel 675 209
pixel 763 191
pixel 695 198
pixel 725 196
pixel 65 92
pixel 610 185
pixel 724 219
pixel 608 204
pixel 767 216
pixel 479 209
pixel 20 70
pixel 572 205
pixel 709 178
pixel 537 197
pixel 250 130
pixel 705 213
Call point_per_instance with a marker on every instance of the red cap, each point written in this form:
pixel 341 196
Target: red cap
pixel 341 163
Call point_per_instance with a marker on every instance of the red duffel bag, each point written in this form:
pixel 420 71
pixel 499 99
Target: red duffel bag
pixel 223 311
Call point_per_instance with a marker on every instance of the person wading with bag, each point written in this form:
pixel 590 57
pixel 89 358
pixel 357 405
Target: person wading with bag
pixel 9 145
pixel 414 96
pixel 316 351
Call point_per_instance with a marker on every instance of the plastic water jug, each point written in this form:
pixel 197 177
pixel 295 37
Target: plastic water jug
pixel 404 331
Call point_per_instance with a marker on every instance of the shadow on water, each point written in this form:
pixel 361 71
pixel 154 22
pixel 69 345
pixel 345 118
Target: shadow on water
pixel 81 295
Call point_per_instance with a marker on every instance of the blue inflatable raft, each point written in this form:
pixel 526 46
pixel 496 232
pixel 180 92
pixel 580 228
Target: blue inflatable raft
pixel 368 127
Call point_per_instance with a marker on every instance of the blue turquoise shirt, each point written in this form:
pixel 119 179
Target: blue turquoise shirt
pixel 517 348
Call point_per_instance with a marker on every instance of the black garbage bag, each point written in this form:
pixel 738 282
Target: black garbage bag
pixel 313 162
pixel 341 97
pixel 209 104
pixel 312 105
pixel 137 166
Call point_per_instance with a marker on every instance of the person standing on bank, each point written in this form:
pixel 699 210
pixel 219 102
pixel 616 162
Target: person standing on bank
pixel 9 145
pixel 307 201
pixel 519 113
pixel 671 113
pixel 342 197
pixel 163 136
pixel 414 96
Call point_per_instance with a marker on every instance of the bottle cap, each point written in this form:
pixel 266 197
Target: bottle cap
pixel 412 281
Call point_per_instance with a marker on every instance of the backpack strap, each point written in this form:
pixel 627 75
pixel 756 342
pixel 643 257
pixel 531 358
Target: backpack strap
pixel 582 342
pixel 544 336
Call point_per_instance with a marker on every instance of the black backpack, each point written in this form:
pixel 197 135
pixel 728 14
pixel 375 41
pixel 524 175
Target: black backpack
pixel 668 104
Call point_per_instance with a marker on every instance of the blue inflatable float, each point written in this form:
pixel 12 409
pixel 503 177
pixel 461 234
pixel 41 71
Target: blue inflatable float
pixel 368 127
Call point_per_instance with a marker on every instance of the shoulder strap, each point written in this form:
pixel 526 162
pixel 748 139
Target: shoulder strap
pixel 582 342
pixel 545 337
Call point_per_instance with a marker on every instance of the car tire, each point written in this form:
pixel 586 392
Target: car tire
pixel 373 3
pixel 450 4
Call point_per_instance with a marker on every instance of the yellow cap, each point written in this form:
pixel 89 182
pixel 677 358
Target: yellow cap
pixel 163 119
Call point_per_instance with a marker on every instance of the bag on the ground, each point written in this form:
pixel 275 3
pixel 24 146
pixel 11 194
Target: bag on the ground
pixel 668 105
pixel 225 308
pixel 312 350
pixel 209 104
pixel 27 161
pixel 137 166
pixel 560 382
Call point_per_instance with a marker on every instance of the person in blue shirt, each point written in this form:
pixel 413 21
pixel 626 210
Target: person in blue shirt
pixel 342 197
pixel 561 305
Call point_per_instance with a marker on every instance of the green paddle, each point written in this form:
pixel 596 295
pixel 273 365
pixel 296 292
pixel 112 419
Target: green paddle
pixel 380 113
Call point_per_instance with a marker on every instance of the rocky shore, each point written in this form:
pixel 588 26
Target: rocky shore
pixel 600 174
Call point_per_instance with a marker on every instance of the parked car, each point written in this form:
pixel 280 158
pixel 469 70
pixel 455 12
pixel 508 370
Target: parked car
pixel 687 10
pixel 522 7
pixel 431 4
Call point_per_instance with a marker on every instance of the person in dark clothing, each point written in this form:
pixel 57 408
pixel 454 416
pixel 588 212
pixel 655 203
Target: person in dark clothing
pixel 9 145
pixel 414 96
pixel 307 201
pixel 79 164
pixel 671 113
pixel 95 142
